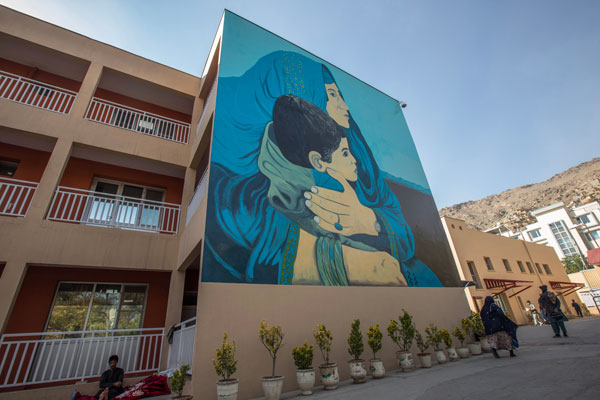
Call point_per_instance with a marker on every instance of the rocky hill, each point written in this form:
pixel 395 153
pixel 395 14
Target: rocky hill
pixel 575 186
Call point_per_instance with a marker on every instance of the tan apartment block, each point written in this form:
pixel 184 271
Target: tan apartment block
pixel 510 270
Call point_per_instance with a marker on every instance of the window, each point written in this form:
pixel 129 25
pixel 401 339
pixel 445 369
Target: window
pixel 584 219
pixel 547 269
pixel 563 238
pixel 488 263
pixel 521 267
pixel 535 234
pixel 529 267
pixel 539 269
pixel 507 265
pixel 8 168
pixel 474 275
pixel 97 306
pixel 592 236
pixel 138 208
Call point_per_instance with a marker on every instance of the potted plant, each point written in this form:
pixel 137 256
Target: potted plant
pixel 460 334
pixel 358 372
pixel 272 339
pixel 403 335
pixel 479 331
pixel 374 337
pixel 447 339
pixel 469 329
pixel 225 366
pixel 305 373
pixel 434 337
pixel 422 345
pixel 328 371
pixel 177 382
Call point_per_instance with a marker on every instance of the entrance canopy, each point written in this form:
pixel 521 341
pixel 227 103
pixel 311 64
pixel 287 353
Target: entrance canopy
pixel 567 287
pixel 506 284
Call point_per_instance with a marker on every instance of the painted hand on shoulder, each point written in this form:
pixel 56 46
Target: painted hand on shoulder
pixel 340 212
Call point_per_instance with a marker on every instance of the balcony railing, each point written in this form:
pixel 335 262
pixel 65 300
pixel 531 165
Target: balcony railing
pixel 132 119
pixel 181 349
pixel 15 196
pixel 36 94
pixel 103 209
pixel 43 357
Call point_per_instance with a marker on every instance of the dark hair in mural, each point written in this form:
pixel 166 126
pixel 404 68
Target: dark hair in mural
pixel 301 127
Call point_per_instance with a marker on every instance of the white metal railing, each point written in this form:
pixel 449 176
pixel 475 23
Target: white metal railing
pixel 15 196
pixel 199 195
pixel 209 98
pixel 103 209
pixel 43 357
pixel 36 94
pixel 107 112
pixel 181 349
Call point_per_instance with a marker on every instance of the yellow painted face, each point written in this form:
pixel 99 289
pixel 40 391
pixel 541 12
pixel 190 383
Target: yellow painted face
pixel 336 106
pixel 343 161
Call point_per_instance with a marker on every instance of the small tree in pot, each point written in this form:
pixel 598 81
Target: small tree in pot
pixel 460 334
pixel 447 339
pixel 328 371
pixel 434 336
pixel 305 373
pixel 374 338
pixel 468 325
pixel 403 335
pixel 479 331
pixel 422 345
pixel 356 347
pixel 272 339
pixel 177 382
pixel 225 365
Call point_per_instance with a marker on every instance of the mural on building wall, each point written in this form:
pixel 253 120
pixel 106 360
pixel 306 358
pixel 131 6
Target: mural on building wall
pixel 296 192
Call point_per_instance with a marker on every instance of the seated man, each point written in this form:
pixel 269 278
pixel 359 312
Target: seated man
pixel 111 382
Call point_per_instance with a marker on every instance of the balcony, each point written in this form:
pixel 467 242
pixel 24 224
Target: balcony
pixel 181 349
pixel 35 93
pixel 46 357
pixel 109 210
pixel 121 116
pixel 15 196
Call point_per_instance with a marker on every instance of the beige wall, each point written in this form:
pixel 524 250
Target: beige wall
pixel 298 309
pixel 471 245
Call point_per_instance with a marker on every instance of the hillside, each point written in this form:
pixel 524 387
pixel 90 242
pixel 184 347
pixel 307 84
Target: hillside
pixel 575 186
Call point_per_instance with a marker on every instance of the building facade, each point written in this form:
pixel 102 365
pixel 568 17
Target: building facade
pixel 145 211
pixel 510 270
pixel 570 231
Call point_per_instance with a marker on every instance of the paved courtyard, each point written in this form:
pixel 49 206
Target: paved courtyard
pixel 545 368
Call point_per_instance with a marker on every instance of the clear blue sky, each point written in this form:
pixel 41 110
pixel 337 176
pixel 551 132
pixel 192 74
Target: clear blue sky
pixel 500 94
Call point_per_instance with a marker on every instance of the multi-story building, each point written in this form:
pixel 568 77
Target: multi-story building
pixel 510 270
pixel 570 231
pixel 145 211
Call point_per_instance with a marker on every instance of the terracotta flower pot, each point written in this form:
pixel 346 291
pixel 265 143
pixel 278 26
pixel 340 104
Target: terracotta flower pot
pixel 377 368
pixel 227 389
pixel 329 375
pixel 358 372
pixel 306 380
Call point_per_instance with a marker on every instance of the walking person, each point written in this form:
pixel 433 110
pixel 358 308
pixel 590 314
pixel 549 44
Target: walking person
pixel 500 330
pixel 551 306
pixel 537 320
pixel 577 309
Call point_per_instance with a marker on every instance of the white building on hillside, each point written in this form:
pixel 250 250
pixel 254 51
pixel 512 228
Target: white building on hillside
pixel 570 231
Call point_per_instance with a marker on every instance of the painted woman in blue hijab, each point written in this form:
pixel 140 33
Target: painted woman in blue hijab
pixel 270 221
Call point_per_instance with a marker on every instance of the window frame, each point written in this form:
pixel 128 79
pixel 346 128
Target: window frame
pixel 474 276
pixel 547 269
pixel 521 266
pixel 488 263
pixel 91 302
pixel 529 267
pixel 507 265
pixel 539 269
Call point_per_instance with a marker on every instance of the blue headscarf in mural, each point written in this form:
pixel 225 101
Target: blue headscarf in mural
pixel 249 240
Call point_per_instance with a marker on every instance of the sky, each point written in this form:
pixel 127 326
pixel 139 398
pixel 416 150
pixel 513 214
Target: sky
pixel 499 94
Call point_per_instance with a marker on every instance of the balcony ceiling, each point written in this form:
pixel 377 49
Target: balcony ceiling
pixel 26 139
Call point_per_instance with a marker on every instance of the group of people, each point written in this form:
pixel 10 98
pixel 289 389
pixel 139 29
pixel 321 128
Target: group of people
pixel 501 331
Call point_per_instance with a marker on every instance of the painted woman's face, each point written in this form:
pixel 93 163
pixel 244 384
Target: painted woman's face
pixel 336 106
pixel 343 161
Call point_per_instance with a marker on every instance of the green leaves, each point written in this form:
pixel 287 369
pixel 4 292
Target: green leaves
pixel 355 340
pixel 374 337
pixel 303 356
pixel 404 333
pixel 225 364
pixel 324 339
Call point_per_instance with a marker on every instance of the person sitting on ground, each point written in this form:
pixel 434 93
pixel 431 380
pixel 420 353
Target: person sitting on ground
pixel 577 309
pixel 111 382
pixel 551 306
pixel 501 331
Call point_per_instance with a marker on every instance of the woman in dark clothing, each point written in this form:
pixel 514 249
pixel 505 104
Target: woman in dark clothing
pixel 111 382
pixel 500 330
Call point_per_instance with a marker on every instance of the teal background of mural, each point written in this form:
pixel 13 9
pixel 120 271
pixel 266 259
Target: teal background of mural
pixel 379 115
